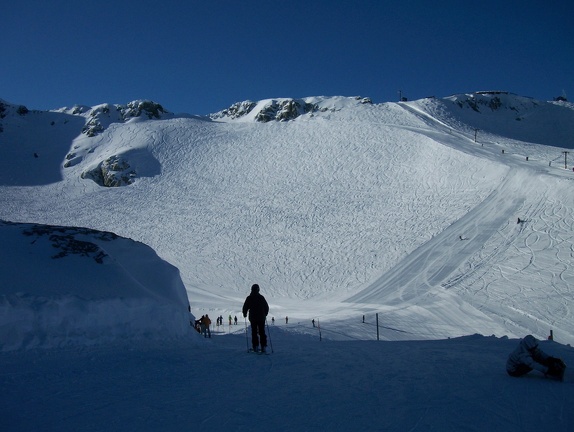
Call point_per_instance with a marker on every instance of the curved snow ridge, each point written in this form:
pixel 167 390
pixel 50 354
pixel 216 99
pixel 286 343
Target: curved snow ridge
pixel 73 286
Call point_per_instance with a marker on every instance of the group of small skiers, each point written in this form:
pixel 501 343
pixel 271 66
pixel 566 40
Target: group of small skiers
pixel 202 324
pixel 219 321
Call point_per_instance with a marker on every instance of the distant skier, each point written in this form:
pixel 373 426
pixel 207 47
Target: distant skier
pixel 528 356
pixel 286 320
pixel 258 309
pixel 235 319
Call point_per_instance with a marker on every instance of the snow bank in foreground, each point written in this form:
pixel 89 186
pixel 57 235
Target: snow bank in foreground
pixel 73 286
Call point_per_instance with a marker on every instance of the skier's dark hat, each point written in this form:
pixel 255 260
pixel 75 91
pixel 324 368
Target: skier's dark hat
pixel 255 288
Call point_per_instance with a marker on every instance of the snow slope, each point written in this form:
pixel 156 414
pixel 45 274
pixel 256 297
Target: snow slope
pixel 349 207
pixel 341 210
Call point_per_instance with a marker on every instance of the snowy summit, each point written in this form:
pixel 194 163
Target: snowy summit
pixel 403 248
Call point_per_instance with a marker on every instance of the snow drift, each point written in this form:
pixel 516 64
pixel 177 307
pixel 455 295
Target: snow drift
pixel 63 286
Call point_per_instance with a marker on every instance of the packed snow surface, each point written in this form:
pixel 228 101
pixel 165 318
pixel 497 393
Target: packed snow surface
pixel 437 219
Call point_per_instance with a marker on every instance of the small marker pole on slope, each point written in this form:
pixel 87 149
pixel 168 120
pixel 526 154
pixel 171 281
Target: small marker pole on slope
pixel 269 335
pixel 246 338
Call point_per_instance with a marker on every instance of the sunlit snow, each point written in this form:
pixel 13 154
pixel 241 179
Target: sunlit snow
pixel 443 219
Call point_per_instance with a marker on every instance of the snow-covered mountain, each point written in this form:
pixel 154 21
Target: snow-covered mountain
pixel 442 217
pixel 324 199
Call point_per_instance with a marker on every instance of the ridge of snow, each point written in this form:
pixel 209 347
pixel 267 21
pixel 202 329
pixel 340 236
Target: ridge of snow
pixel 83 287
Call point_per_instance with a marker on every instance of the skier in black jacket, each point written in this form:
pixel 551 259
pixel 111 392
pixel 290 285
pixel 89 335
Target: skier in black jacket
pixel 258 309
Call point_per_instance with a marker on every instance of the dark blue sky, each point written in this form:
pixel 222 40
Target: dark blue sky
pixel 199 57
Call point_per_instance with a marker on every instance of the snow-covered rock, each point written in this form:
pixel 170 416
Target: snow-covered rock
pixel 101 116
pixel 115 171
pixel 281 109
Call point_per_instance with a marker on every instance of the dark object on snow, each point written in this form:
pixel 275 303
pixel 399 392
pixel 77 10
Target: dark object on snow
pixel 556 368
pixel 258 309
pixel 528 356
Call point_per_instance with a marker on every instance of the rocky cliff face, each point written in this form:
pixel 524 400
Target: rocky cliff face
pixel 282 109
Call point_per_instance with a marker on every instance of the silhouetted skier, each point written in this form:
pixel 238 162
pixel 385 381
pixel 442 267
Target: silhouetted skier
pixel 258 309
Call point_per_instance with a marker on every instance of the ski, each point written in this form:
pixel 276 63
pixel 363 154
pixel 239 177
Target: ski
pixel 258 352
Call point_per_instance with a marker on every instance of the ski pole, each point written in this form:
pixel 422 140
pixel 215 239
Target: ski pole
pixel 246 338
pixel 269 335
